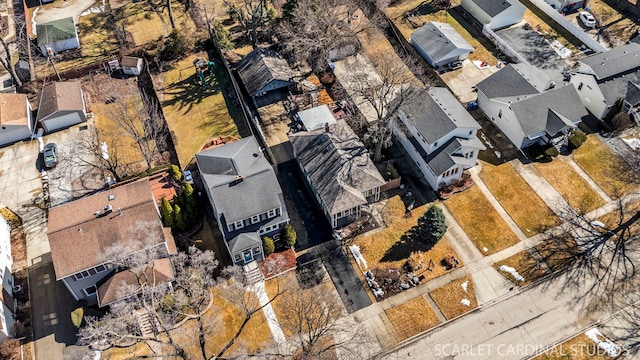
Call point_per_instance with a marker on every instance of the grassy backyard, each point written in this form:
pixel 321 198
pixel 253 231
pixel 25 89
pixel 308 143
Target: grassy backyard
pixel 518 199
pixel 411 318
pixel 573 188
pixel 525 264
pixel 610 172
pixel 145 26
pixel 449 297
pixel 620 26
pixel 388 249
pixel 480 221
pixel 558 253
pixel 577 348
pixel 195 114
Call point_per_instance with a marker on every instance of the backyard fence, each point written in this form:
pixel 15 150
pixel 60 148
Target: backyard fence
pixel 569 26
pixel 502 45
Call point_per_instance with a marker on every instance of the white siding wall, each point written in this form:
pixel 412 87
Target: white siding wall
pixel 423 53
pixel 61 45
pixel 475 11
pixel 510 16
pixel 6 278
pixel 590 94
pixel 10 134
pixel 508 123
pixel 60 122
pixel 76 286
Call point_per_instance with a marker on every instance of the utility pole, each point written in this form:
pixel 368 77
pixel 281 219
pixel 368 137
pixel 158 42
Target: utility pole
pixel 50 57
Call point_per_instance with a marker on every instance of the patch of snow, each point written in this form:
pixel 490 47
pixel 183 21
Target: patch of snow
pixel 484 248
pixel 93 10
pixel 498 154
pixel 597 224
pixel 512 271
pixel 560 49
pixel 465 302
pixel 633 143
pixel 355 250
pixel 105 150
pixel 603 343
pixel 465 285
pixel 377 292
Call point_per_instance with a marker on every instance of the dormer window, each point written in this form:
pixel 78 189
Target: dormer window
pixel 239 224
pixel 255 219
pixel 271 213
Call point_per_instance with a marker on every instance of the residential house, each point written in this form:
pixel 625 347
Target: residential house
pixel 82 230
pixel 496 13
pixel 265 75
pixel 567 6
pixel 438 134
pixel 57 36
pixel 338 170
pixel 61 104
pixel 528 107
pixel 16 118
pixel 440 44
pixel 131 65
pixel 7 303
pixel 604 79
pixel 316 118
pixel 245 195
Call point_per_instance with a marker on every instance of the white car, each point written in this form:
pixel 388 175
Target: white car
pixel 587 19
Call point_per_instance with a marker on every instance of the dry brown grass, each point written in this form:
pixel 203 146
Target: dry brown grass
pixel 480 221
pixel 544 28
pixel 558 253
pixel 603 166
pixel 145 25
pixel 412 318
pixel 384 249
pixel 518 199
pixel 449 296
pixel 573 188
pixel 525 264
pixel 621 27
pixel 139 349
pixel 194 114
pixel 577 348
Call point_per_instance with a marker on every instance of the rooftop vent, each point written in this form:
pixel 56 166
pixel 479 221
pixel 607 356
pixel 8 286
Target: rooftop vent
pixel 111 197
pixel 552 85
pixel 238 179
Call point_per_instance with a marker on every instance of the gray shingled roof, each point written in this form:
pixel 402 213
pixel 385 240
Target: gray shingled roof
pixel 338 165
pixel 258 191
pixel 616 88
pixel 633 93
pixel 549 111
pixel 244 241
pixel 615 61
pixel 436 112
pixel 439 40
pixel 492 7
pixel 261 67
pixel 514 80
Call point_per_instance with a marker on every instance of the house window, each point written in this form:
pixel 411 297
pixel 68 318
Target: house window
pixel 101 268
pixel 237 257
pixel 256 250
pixel 500 114
pixel 580 86
pixel 435 144
pixel 239 225
pixel 470 132
pixel 271 213
pixel 82 275
pixel 255 219
pixel 91 290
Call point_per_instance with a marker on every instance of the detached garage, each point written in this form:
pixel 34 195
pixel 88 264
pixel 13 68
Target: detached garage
pixel 61 105
pixel 497 13
pixel 57 35
pixel 16 119
pixel 440 44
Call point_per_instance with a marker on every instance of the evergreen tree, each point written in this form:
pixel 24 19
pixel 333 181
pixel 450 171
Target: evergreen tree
pixel 288 234
pixel 180 224
pixel 168 216
pixel 268 245
pixel 175 173
pixel 432 224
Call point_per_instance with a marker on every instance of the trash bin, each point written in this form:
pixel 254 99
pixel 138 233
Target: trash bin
pixel 472 105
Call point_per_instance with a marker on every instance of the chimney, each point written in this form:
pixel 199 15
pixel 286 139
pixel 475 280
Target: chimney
pixel 326 127
pixel 107 209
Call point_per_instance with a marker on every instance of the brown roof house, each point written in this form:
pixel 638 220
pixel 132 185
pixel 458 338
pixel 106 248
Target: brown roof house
pixel 62 104
pixel 131 65
pixel 82 231
pixel 16 118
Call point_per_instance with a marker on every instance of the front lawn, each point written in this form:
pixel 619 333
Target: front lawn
pixel 610 172
pixel 451 298
pixel 480 221
pixel 559 252
pixel 577 348
pixel 195 113
pixel 525 264
pixel 518 199
pixel 411 318
pixel 573 188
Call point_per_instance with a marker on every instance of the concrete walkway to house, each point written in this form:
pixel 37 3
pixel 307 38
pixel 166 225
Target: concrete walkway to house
pixel 541 186
pixel 588 179
pixel 272 320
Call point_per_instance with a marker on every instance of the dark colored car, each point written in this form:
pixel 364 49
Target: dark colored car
pixel 50 154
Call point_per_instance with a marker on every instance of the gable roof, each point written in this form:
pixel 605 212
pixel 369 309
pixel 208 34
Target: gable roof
pixel 615 88
pixel 436 112
pixel 493 7
pixel 78 236
pixel 261 67
pixel 439 40
pixel 614 62
pixel 110 291
pixel 60 96
pixel 338 165
pixel 514 80
pixel 259 189
pixel 57 30
pixel 130 61
pixel 244 241
pixel 14 110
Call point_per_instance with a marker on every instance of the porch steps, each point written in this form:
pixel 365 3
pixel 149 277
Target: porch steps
pixel 145 324
pixel 252 273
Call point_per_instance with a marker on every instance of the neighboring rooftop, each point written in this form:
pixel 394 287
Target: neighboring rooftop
pixel 14 110
pixel 57 30
pixel 614 62
pixel 261 67
pixel 436 112
pixel 514 80
pixel 493 7
pixel 60 96
pixel 618 87
pixel 439 40
pixel 338 165
pixel 130 61
pixel 317 117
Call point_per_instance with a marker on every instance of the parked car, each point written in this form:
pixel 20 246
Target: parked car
pixel 587 19
pixel 50 154
pixel 451 66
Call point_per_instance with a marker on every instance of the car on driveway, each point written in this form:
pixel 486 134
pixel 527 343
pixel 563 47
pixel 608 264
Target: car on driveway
pixel 50 154
pixel 587 19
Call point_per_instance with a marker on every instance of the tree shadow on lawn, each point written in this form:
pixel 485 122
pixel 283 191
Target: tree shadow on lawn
pixel 411 241
pixel 189 91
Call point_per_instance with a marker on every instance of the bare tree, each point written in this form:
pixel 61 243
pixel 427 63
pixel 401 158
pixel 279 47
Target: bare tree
pixel 19 44
pixel 88 154
pixel 251 15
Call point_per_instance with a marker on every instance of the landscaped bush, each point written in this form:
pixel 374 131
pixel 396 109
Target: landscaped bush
pixel 175 173
pixel 268 245
pixel 288 235
pixel 551 151
pixel 166 210
pixel 180 224
pixel 576 138
pixel 77 316
pixel 12 219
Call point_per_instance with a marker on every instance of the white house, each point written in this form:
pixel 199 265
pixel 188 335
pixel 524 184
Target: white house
pixel 604 79
pixel 16 118
pixel 438 134
pixel 529 108
pixel 567 6
pixel 440 44
pixel 61 105
pixel 497 13
pixel 132 65
pixel 58 35
pixel 7 303
pixel 245 195
pixel 316 118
